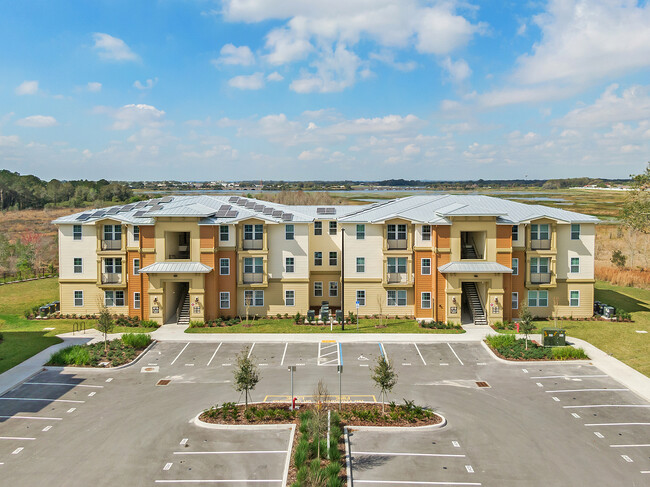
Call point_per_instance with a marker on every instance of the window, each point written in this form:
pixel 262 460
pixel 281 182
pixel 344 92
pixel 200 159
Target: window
pixel 539 265
pixel 396 265
pixel 426 300
pixel 76 233
pixel 537 299
pixel 136 233
pixel 396 297
pixel 539 232
pixel 254 298
pixel 318 258
pixel 253 232
pixel 318 289
pixel 426 267
pixel 397 232
pixel 112 232
pixel 361 297
pixel 334 289
pixel 78 298
pixel 289 264
pixel 515 232
pixel 332 227
pixel 515 266
pixel 318 228
pixel 515 300
pixel 575 264
pixel 224 236
pixel 114 298
pixel 136 266
pixel 78 265
pixel 224 300
pixel 426 232
pixel 136 300
pixel 361 232
pixel 288 232
pixel 253 265
pixel 575 231
pixel 361 264
pixel 334 258
pixel 224 267
pixel 574 298
pixel 113 265
pixel 289 298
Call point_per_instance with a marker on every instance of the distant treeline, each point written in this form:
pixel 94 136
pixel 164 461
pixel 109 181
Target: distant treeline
pixel 21 192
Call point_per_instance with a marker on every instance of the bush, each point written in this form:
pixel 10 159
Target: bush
pixel 618 259
pixel 566 353
pixel 74 355
pixel 149 324
pixel 136 340
pixel 197 324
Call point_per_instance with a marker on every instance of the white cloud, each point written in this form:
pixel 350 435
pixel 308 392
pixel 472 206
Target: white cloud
pixel 313 155
pixel 8 140
pixel 150 83
pixel 286 46
pixel 458 71
pixel 237 56
pixel 94 87
pixel 27 88
pixel 411 150
pixel 585 40
pixel 388 57
pixel 254 81
pixel 441 31
pixel 335 71
pixel 37 121
pixel 113 49
pixel 132 115
pixel 274 76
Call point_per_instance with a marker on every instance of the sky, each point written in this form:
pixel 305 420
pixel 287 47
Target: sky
pixel 324 89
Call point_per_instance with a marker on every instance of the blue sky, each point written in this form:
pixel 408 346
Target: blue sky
pixel 337 89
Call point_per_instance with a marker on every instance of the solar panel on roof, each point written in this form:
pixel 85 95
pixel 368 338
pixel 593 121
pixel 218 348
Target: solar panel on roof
pixel 153 202
pixel 166 199
pixel 98 213
pixel 140 214
pixel 287 217
pixel 233 199
pixel 155 208
pixel 232 214
pixel 259 207
pixel 325 211
pixel 277 213
pixel 141 204
pixel 221 213
pixel 84 217
pixel 125 208
pixel 112 211
pixel 268 211
pixel 250 204
pixel 225 207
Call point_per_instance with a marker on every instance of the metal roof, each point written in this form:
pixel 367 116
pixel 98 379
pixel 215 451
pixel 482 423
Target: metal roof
pixel 474 268
pixel 176 268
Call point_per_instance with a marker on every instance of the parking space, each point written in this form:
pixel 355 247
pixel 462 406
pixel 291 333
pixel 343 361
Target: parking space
pixel 246 455
pixel 301 354
pixel 356 355
pixel 442 354
pixel 269 354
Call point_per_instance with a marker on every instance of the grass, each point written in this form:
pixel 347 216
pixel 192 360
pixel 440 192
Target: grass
pixel 288 326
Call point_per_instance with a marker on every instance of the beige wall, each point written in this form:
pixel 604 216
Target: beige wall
pixel 158 290
pixel 474 224
pixel 93 299
pixel 280 248
pixel 369 248
pixel 561 292
pixel 582 248
pixel 325 243
pixel 190 225
pixel 274 299
pixel 86 248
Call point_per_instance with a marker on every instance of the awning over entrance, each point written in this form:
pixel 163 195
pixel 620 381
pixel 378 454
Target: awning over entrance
pixel 474 268
pixel 176 268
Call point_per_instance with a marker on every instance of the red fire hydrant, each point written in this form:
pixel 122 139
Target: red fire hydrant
pixel 293 403
pixel 517 327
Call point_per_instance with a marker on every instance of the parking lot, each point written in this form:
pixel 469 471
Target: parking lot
pixel 508 424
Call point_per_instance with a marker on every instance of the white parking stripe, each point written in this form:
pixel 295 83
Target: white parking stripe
pixel 31 417
pixel 556 399
pixel 92 394
pixel 220 481
pixel 422 358
pixel 251 350
pixel 575 415
pixel 215 352
pixel 39 399
pixel 591 390
pixel 407 482
pixel 284 353
pixel 167 466
pixel 240 452
pixel 59 384
pixel 539 384
pixel 383 352
pixel 610 406
pixel 629 446
pixel 174 361
pixel 469 469
pixel 17 450
pixel 617 424
pixel 599 435
pixel 627 459
pixel 567 376
pixel 47 428
pixel 110 379
pixel 461 362
pixel 184 441
pixel 395 454
pixel 15 438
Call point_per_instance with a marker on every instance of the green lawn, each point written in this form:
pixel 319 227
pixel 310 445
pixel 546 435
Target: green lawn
pixel 288 326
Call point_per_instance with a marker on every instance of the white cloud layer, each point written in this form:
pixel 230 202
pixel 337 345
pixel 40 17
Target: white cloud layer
pixel 113 49
pixel 148 84
pixel 238 56
pixel 133 115
pixel 27 88
pixel 94 87
pixel 253 81
pixel 37 121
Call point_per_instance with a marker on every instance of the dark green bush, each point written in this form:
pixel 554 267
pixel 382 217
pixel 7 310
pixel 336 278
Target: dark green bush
pixel 136 340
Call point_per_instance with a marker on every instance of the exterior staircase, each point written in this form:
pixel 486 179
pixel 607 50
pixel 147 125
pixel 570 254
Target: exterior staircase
pixel 468 251
pixel 184 311
pixel 474 301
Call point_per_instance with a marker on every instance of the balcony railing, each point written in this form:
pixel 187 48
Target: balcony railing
pixel 397 277
pixel 540 244
pixel 253 244
pixel 111 244
pixel 540 278
pixel 179 256
pixel 397 244
pixel 253 277
pixel 111 278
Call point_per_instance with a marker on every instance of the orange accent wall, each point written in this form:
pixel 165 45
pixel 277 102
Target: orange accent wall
pixel 506 260
pixel 207 235
pixel 147 237
pixel 504 236
pixel 441 287
pixel 518 282
pixel 133 283
pixel 227 283
pixel 424 283
pixel 442 236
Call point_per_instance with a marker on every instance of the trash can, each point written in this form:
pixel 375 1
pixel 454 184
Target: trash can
pixel 44 310
pixel 598 308
pixel 553 337
pixel 311 315
pixel 57 305
pixel 609 312
pixel 52 307
pixel 324 314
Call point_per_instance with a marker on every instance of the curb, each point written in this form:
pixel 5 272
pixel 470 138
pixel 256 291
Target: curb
pixel 21 382
pixel 216 426
pixel 393 429
pixel 520 362
pixel 101 369
pixel 348 456
pixel 288 461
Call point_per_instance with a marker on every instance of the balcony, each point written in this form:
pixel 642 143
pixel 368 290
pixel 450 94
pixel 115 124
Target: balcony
pixel 253 277
pixel 111 244
pixel 540 278
pixel 540 244
pixel 182 253
pixel 397 277
pixel 111 278
pixel 399 244
pixel 250 244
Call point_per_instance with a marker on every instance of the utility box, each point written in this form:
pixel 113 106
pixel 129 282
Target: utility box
pixel 598 308
pixel 339 315
pixel 609 312
pixel 311 315
pixel 553 337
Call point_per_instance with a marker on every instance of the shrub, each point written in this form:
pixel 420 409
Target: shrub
pixel 618 259
pixel 74 355
pixel 197 324
pixel 149 324
pixel 565 353
pixel 302 453
pixel 136 340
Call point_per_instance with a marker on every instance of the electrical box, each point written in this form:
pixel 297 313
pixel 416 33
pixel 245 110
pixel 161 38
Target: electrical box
pixel 553 337
pixel 609 311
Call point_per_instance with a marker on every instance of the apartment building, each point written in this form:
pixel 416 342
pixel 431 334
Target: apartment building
pixel 441 257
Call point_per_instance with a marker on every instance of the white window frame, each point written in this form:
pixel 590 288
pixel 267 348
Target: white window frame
pixel 224 296
pixel 318 228
pixel 423 300
pixel 425 270
pixel 536 265
pixel 289 301
pixel 113 267
pixel 515 266
pixel 253 265
pixel 136 268
pixel 575 231
pixel 576 267
pixel 361 298
pixel 396 265
pixel 113 303
pixel 536 231
pixel 398 296
pixel 538 299
pixel 255 296
pixel 289 266
pixel 318 293
pixel 515 232
pixel 571 299
pixel 289 231
pixel 224 233
pixel 80 265
pixel 396 231
pixel 426 232
pixel 361 264
pixel 136 300
pixel 333 257
pixel 225 260
pixel 318 259
pixel 333 227
pixel 254 232
pixel 514 300
pixel 136 233
pixel 334 287
pixel 112 232
pixel 78 301
pixel 77 235
pixel 361 231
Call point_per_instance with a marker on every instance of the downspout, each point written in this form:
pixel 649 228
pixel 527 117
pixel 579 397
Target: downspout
pixel 435 278
pixel 141 277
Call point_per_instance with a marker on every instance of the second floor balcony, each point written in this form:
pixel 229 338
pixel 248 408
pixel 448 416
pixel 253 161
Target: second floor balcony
pixel 397 244
pixel 112 244
pixel 111 278
pixel 253 277
pixel 397 278
pixel 253 244
pixel 540 278
pixel 540 244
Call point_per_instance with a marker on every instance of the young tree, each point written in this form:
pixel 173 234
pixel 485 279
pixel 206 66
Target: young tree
pixel 385 378
pixel 246 374
pixel 105 324
pixel 526 322
pixel 318 423
pixel 636 210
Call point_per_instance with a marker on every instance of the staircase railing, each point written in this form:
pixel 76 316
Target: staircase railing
pixel 181 302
